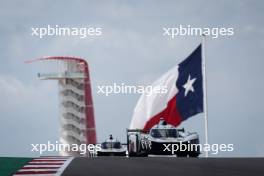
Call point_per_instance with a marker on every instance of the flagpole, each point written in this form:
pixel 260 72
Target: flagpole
pixel 205 92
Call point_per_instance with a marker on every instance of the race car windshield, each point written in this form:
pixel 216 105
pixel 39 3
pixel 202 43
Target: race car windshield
pixel 160 133
pixel 107 145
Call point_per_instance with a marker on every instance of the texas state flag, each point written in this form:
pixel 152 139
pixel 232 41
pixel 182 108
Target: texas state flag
pixel 184 97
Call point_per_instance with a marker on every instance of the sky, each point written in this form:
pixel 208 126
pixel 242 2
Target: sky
pixel 132 50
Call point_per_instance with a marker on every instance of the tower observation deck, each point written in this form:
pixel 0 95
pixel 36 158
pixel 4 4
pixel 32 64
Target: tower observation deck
pixel 77 123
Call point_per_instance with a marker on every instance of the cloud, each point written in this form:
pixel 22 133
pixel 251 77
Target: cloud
pixel 18 94
pixel 27 110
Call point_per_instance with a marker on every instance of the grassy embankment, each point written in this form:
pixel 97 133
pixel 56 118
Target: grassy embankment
pixel 9 165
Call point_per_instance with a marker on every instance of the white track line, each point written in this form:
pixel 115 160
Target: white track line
pixel 35 175
pixel 47 162
pixel 44 166
pixel 64 166
pixel 39 170
pixel 55 166
pixel 50 159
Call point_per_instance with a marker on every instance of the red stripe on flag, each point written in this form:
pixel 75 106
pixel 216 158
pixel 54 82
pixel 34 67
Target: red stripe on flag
pixel 170 114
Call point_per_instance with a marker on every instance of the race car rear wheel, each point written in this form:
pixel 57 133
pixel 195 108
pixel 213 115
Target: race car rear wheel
pixel 132 154
pixel 193 155
pixel 182 154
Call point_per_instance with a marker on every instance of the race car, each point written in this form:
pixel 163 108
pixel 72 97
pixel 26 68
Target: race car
pixel 162 139
pixel 112 147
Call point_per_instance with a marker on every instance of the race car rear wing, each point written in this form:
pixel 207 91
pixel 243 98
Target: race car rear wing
pixel 137 130
pixel 181 130
pixel 147 131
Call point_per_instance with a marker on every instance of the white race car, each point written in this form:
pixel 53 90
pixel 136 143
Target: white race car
pixel 162 139
pixel 112 147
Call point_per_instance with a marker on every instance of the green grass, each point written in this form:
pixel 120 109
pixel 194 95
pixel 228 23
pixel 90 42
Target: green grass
pixel 9 165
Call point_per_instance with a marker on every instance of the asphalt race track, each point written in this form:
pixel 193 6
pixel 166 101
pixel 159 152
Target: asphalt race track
pixel 163 166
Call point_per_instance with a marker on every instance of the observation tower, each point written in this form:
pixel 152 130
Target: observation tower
pixel 77 123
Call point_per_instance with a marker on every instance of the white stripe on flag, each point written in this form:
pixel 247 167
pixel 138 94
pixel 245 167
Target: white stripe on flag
pixel 150 105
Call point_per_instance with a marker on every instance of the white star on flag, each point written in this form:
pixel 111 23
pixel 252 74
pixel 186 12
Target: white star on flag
pixel 189 85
